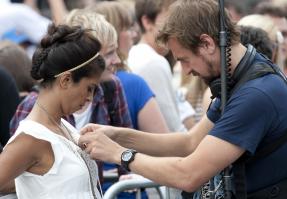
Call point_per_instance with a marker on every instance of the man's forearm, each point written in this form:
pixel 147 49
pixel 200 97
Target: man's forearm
pixel 167 144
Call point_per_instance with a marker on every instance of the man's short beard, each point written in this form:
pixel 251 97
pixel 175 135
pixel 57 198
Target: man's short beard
pixel 211 71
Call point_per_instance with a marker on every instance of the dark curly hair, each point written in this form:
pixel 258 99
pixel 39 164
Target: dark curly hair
pixel 64 48
pixel 258 38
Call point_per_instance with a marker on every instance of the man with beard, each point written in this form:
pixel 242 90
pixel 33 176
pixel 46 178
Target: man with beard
pixel 254 117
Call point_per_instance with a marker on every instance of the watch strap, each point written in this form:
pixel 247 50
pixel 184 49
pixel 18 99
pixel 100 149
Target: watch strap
pixel 125 163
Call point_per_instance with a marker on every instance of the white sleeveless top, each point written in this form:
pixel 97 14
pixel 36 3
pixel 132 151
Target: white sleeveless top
pixel 68 178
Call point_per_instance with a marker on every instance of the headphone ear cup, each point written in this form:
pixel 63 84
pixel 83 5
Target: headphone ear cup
pixel 215 88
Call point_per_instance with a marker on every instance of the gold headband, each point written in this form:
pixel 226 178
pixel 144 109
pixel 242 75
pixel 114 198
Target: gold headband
pixel 79 66
pixel 75 68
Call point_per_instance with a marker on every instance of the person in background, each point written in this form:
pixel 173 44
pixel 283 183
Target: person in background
pixel 146 60
pixel 20 20
pixel 267 24
pixel 130 4
pixel 277 13
pixel 258 38
pixel 196 93
pixel 9 96
pixel 237 9
pixel 282 4
pixel 16 61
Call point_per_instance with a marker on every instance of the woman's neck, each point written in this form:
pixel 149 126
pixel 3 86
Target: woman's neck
pixel 47 109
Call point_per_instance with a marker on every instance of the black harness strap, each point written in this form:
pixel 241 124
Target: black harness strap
pixel 239 166
pixel 276 191
pixel 254 72
pixel 239 180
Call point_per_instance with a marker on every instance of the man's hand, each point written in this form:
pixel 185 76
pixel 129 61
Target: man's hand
pixel 109 131
pixel 94 141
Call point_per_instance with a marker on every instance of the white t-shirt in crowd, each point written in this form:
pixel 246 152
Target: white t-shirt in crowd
pixel 23 19
pixel 155 70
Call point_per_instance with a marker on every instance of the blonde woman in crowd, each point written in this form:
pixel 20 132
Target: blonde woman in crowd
pixel 144 110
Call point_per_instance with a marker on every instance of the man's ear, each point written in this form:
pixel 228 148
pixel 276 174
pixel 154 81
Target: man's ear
pixel 207 45
pixel 65 80
pixel 147 23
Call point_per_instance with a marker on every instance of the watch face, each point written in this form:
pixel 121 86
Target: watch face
pixel 127 156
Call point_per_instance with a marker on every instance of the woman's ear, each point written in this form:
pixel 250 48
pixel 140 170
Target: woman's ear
pixel 65 80
pixel 207 44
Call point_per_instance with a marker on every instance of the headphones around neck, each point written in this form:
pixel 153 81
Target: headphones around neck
pixel 241 69
pixel 246 71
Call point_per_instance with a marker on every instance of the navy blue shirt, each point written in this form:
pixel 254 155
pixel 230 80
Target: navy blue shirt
pixel 255 115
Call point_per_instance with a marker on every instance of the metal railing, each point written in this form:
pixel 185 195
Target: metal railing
pixel 124 185
pixel 9 196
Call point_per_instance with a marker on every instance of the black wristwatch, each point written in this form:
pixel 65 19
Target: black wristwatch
pixel 127 157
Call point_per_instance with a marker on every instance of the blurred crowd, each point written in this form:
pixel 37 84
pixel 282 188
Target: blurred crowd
pixel 152 93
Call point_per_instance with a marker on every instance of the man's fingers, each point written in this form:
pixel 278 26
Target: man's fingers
pixel 89 128
pixel 84 140
pixel 89 148
pixel 86 129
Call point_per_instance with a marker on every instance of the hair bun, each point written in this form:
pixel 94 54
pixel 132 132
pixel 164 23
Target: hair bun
pixel 60 34
pixel 58 49
pixel 55 35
